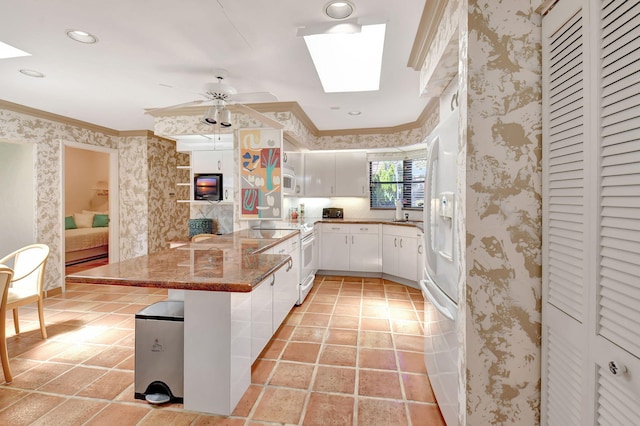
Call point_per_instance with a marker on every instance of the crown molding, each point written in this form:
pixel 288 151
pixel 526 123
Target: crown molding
pixel 427 29
pixel 57 118
pixel 429 109
pixel 276 107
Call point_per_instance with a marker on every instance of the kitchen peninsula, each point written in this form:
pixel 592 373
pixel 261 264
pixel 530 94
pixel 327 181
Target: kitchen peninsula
pixel 216 278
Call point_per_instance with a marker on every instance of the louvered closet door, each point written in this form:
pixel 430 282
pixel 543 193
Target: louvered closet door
pixel 591 213
pixel 618 292
pixel 565 248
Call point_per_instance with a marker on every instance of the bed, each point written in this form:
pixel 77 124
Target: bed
pixel 86 237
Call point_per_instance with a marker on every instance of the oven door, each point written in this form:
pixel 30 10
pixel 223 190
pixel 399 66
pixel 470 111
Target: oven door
pixel 307 269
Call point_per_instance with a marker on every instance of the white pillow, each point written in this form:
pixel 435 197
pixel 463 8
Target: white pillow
pixel 94 212
pixel 83 220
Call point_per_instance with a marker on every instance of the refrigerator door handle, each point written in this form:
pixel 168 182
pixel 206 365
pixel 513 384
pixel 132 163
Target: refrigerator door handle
pixel 430 219
pixel 447 312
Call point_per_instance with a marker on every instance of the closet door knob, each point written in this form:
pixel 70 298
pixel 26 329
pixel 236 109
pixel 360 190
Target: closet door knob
pixel 617 368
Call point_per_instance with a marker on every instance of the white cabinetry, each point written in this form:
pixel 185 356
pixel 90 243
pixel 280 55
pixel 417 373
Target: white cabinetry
pixel 400 251
pixel 274 297
pixel 215 162
pixel 285 295
pixel 334 247
pixel 591 214
pixel 286 287
pixel 336 174
pixel 364 250
pixel 350 247
pixel 261 316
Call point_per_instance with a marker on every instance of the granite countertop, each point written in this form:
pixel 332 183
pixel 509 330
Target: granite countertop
pixel 231 262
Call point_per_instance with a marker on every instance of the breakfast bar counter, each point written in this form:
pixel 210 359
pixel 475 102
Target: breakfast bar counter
pixel 229 288
pixel 231 263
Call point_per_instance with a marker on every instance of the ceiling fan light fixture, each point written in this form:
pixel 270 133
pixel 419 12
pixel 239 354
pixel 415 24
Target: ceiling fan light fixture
pixel 211 117
pixel 339 9
pixel 225 118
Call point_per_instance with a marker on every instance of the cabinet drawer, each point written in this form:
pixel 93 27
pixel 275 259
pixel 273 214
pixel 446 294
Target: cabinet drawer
pixel 400 231
pixel 369 228
pixel 339 228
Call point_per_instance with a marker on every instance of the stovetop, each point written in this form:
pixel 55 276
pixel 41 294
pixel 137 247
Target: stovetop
pixel 305 228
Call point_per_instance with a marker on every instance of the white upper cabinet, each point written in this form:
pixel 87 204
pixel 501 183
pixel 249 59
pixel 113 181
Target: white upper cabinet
pixel 336 174
pixel 216 162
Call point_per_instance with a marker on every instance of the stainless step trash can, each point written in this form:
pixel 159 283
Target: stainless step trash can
pixel 159 352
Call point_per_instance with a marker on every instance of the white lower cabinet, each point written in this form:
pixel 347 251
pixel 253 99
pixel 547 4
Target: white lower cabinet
pixel 334 247
pixel 400 251
pixel 261 316
pixel 364 250
pixel 274 297
pixel 285 294
pixel 350 247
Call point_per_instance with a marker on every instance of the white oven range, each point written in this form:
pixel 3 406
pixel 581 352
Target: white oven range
pixel 307 253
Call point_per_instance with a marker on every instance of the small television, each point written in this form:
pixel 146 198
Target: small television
pixel 207 187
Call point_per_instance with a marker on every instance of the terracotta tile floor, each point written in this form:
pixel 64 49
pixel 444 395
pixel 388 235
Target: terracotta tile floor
pixel 350 355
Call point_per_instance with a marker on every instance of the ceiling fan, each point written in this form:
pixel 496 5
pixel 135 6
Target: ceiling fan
pixel 224 98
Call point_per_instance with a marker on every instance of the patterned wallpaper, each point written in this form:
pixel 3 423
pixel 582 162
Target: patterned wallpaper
pixel 48 136
pixel 168 220
pixel 190 123
pixel 502 80
pixel 499 74
pixel 146 222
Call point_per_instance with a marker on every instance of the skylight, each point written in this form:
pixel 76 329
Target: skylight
pixel 7 51
pixel 348 62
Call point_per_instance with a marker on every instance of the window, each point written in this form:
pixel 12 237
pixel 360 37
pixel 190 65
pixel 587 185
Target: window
pixel 391 180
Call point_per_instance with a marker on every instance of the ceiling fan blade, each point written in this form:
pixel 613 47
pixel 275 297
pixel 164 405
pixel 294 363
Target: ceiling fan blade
pixel 254 97
pixel 182 105
pixel 259 116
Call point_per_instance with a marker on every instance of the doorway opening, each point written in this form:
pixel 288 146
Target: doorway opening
pixel 89 207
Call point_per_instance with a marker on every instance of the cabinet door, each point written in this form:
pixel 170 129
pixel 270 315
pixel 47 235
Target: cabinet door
pixel 390 254
pixel 285 294
pixel 334 251
pixel 408 258
pixel 352 178
pixel 320 174
pixel 364 253
pixel 207 161
pixel 364 240
pixel 228 172
pixel 261 316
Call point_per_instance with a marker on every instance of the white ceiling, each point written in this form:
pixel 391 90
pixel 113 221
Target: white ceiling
pixel 146 45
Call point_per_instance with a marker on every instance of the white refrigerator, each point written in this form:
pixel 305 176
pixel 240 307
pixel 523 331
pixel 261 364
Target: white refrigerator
pixel 440 283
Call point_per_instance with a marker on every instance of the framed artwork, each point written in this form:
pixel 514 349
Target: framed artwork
pixel 260 174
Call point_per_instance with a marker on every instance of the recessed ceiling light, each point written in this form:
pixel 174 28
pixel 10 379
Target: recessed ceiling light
pixel 32 73
pixel 82 36
pixel 354 113
pixel 339 9
pixel 8 51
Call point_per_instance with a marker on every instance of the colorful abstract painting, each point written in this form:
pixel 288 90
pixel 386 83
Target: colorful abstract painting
pixel 260 174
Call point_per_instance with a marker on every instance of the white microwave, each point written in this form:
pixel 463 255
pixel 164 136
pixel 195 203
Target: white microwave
pixel 289 185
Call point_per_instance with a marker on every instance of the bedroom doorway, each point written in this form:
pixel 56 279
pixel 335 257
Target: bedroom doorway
pixel 89 206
